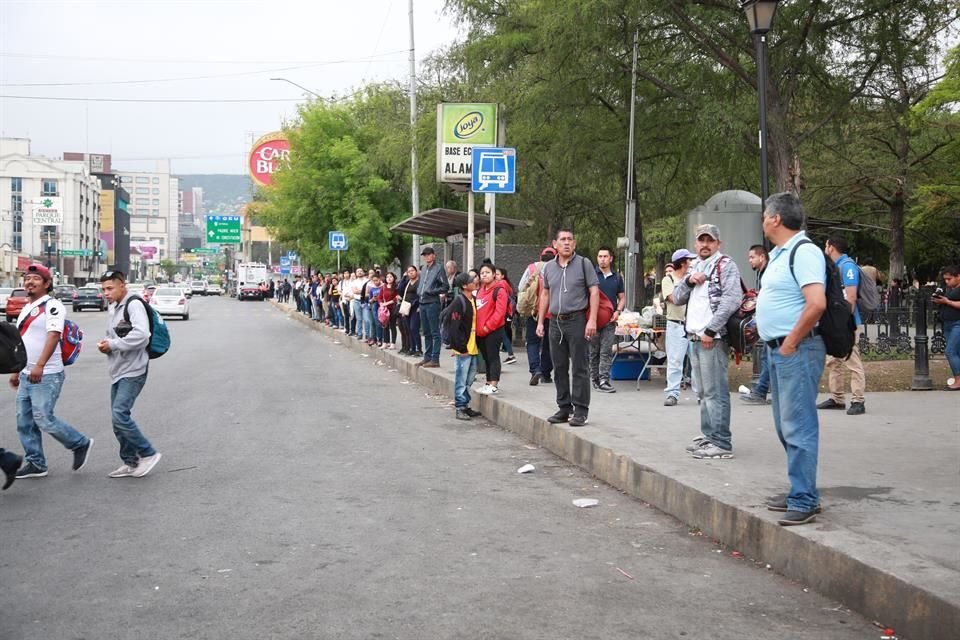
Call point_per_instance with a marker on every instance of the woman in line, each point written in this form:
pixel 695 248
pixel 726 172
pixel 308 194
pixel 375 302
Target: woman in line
pixel 502 276
pixel 492 303
pixel 375 336
pixel 333 297
pixel 389 300
pixel 410 323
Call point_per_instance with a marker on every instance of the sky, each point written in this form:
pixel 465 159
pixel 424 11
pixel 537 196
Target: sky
pixel 88 50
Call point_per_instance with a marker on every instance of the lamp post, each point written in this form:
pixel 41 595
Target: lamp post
pixel 299 86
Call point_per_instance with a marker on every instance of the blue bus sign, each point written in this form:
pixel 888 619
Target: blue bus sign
pixel 337 241
pixel 494 170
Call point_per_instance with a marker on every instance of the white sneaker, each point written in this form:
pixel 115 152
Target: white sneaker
pixel 146 465
pixel 487 390
pixel 126 471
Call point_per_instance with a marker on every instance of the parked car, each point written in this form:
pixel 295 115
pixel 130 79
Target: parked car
pixel 64 292
pixel 15 304
pixel 4 294
pixel 171 301
pixel 199 287
pixel 89 298
pixel 214 290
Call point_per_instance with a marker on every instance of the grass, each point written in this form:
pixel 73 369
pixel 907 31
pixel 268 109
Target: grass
pixel 882 375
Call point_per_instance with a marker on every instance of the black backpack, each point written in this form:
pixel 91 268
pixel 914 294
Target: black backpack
pixel 13 354
pixel 837 327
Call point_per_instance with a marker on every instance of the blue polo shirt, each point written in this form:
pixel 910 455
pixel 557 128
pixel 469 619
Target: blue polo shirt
pixel 850 276
pixel 781 300
pixel 611 285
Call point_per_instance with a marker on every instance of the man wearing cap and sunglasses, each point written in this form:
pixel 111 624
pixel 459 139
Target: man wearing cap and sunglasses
pixel 677 342
pixel 38 385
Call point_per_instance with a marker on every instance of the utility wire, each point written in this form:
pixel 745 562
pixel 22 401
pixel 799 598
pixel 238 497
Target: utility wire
pixel 176 100
pixel 47 56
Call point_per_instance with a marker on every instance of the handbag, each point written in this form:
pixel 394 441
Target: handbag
pixel 406 305
pixel 383 315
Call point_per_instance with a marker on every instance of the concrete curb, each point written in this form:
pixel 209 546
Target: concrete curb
pixel 912 609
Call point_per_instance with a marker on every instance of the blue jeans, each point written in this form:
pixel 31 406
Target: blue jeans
pixel 676 352
pixel 711 378
pixel 35 405
pixel 951 332
pixel 133 444
pixel 762 387
pixel 794 381
pixel 337 315
pixel 368 320
pixel 538 349
pixel 465 374
pixel 430 321
pixel 356 318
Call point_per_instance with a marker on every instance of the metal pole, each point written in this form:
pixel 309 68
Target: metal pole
pixel 414 189
pixel 468 252
pixel 338 260
pixel 629 269
pixel 493 228
pixel 921 356
pixel 761 45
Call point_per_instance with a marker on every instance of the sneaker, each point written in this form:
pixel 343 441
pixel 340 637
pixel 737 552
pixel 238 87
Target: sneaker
pixel 779 503
pixel 596 383
pixel 578 420
pixel 462 414
pixel 146 465
pixel 403 352
pixel 856 409
pixel 31 470
pixel 606 387
pixel 511 359
pixel 545 378
pixel 534 379
pixel 697 442
pixel 791 518
pixel 125 471
pixel 710 451
pixel 669 401
pixel 430 364
pixel 473 413
pixel 830 403
pixel 487 390
pixel 10 464
pixel 559 417
pixel 752 398
pixel 81 455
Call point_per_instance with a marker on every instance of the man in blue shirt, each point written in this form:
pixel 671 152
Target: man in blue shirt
pixel 601 347
pixel 836 250
pixel 789 307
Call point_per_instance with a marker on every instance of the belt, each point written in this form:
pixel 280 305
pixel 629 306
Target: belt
pixel 569 316
pixel 672 320
pixel 778 342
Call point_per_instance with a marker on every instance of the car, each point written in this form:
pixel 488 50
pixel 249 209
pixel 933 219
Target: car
pixel 4 294
pixel 171 301
pixel 199 287
pixel 214 290
pixel 15 304
pixel 89 298
pixel 64 292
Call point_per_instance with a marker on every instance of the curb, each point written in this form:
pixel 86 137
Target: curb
pixel 913 610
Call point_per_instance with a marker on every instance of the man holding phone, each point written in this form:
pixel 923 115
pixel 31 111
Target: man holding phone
pixel 949 303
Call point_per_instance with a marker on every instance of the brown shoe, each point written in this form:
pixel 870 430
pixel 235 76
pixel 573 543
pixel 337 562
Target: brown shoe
pixel 430 364
pixel 422 363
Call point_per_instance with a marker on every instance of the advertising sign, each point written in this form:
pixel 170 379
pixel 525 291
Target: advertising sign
pixel 223 229
pixel 460 128
pixel 107 203
pixel 48 210
pixel 266 156
pixel 148 251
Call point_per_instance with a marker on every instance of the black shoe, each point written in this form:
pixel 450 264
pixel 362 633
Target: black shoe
pixel 596 383
pixel 779 503
pixel 9 464
pixel 462 414
pixel 473 413
pixel 830 403
pixel 534 379
pixel 416 354
pixel 856 409
pixel 80 455
pixel 559 417
pixel 792 518
pixel 545 378
pixel 30 470
pixel 578 420
pixel 606 387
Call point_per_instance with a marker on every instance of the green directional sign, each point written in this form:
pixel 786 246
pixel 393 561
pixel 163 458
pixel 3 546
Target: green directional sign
pixel 76 252
pixel 223 229
pixel 207 250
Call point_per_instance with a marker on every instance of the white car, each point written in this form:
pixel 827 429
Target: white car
pixel 4 294
pixel 214 290
pixel 170 301
pixel 199 287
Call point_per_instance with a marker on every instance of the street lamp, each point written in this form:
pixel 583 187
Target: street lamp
pixel 313 93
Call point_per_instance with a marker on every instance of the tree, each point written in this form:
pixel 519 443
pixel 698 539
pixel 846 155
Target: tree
pixel 169 267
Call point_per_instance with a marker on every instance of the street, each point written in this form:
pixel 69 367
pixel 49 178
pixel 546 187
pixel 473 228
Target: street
pixel 307 492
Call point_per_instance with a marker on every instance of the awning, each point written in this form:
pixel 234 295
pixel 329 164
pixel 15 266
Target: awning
pixel 443 223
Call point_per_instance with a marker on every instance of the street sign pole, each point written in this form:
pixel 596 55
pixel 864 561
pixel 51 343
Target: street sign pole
pixel 493 228
pixel 338 260
pixel 468 253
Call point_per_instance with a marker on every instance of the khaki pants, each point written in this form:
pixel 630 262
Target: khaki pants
pixel 858 381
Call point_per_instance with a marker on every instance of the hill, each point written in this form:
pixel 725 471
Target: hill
pixel 222 193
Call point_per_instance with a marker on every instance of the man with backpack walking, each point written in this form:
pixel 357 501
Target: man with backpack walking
pixel 128 336
pixel 41 325
pixel 790 306
pixel 836 250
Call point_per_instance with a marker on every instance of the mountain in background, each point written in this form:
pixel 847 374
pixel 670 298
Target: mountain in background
pixel 223 193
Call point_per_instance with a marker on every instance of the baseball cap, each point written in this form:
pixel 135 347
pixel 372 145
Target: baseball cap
pixel 682 254
pixel 548 250
pixel 40 269
pixel 427 250
pixel 708 230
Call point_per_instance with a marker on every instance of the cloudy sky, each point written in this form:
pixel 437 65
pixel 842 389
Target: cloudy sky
pixel 191 50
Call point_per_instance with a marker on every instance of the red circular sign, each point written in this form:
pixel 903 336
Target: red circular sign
pixel 268 153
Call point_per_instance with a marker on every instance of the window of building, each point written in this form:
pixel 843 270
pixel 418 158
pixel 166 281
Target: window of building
pixel 155 212
pixel 142 202
pixel 143 191
pixel 16 185
pixel 156 191
pixel 16 217
pixel 49 187
pixel 126 179
pixel 156 202
pixel 143 180
pixel 156 181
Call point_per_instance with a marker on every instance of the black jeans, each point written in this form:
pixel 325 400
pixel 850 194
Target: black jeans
pixel 489 347
pixel 570 350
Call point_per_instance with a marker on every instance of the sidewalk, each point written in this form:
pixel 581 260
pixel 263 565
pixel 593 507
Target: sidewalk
pixel 886 544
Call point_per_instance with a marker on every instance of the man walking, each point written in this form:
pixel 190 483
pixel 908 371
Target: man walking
pixel 538 348
pixel 601 346
pixel 788 308
pixel 758 258
pixel 836 250
pixel 126 349
pixel 38 385
pixel 572 295
pixel 677 342
pixel 432 287
pixel 712 294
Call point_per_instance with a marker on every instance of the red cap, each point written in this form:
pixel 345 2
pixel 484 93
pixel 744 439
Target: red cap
pixel 42 270
pixel 547 250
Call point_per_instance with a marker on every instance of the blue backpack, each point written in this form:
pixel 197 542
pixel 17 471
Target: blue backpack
pixel 159 334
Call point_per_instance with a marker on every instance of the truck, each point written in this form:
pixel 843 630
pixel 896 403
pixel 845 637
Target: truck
pixel 249 277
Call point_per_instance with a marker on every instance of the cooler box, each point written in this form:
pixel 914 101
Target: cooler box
pixel 627 366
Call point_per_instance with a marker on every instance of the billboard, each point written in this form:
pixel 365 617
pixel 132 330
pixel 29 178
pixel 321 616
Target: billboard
pixel 107 204
pixel 266 156
pixel 460 128
pixel 48 210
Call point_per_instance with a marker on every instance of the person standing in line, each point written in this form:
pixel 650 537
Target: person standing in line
pixel 789 307
pixel 757 257
pixel 126 348
pixel 410 323
pixel 432 291
pixel 38 385
pixel 388 300
pixel 712 294
pixel 836 250
pixel 492 302
pixel 346 296
pixel 463 341
pixel 452 271
pixel 601 346
pixel 677 343
pixel 538 348
pixel 571 294
pixel 333 296
pixel 504 277
pixel 949 303
pixel 359 304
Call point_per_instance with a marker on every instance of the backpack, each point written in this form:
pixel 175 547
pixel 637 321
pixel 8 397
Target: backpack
pixel 868 294
pixel 605 307
pixel 13 354
pixel 71 338
pixel 837 327
pixel 159 334
pixel 741 326
pixel 529 296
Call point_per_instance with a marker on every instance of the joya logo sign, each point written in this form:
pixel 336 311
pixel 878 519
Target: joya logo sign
pixel 468 126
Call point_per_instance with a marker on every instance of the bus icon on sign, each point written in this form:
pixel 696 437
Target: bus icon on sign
pixel 338 241
pixel 494 170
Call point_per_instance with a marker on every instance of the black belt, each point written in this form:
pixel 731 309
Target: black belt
pixel 672 320
pixel 569 316
pixel 778 342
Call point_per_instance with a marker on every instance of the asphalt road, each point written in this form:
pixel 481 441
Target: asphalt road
pixel 306 492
